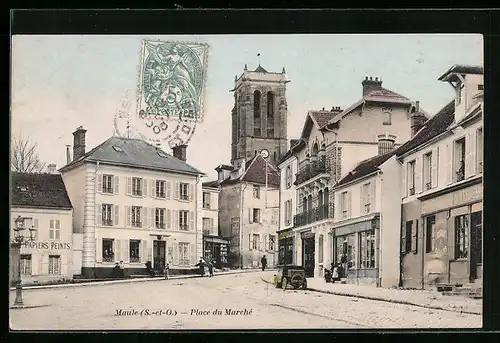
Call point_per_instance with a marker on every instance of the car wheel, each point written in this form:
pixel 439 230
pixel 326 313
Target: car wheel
pixel 278 284
pixel 283 283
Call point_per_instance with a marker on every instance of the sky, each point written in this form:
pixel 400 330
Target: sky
pixel 60 82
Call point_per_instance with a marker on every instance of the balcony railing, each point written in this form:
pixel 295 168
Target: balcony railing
pixel 316 214
pixel 312 170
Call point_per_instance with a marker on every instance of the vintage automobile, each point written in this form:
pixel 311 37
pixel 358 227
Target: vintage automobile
pixel 290 275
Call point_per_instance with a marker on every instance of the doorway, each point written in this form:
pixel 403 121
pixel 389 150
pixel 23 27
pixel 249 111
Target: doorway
pixel 476 248
pixel 308 255
pixel 159 255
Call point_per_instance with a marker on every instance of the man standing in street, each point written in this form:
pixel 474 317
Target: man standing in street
pixel 263 262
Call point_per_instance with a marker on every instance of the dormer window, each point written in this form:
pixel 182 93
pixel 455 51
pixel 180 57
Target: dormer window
pixel 460 93
pixel 161 153
pixel 117 148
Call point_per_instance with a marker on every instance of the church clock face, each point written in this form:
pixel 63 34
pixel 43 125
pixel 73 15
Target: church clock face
pixel 264 153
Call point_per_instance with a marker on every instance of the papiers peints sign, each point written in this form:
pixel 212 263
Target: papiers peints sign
pixel 47 245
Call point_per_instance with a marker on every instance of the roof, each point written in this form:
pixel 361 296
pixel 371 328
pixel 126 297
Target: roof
pixel 293 142
pixel 321 118
pixel 255 172
pixel 211 184
pixel 461 69
pixel 135 153
pixel 39 190
pixel 260 69
pixel 432 128
pixel 224 167
pixel 365 168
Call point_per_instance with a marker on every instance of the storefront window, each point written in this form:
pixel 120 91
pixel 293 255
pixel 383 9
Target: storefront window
pixel 289 252
pixel 345 247
pixel 367 249
pixel 461 236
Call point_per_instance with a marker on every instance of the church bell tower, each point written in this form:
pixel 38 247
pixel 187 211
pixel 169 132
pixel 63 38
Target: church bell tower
pixel 259 115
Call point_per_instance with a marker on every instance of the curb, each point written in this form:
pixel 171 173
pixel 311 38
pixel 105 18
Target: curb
pixel 403 302
pixel 103 283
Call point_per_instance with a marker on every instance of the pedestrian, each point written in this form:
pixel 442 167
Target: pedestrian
pixel 210 269
pixel 116 271
pixel 201 267
pixel 166 271
pixel 263 262
pixel 149 269
pixel 122 270
pixel 335 274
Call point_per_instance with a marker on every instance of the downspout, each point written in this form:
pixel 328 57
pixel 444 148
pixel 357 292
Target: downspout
pixel 241 224
pixel 279 222
pixel 95 216
pixel 423 250
pixel 380 240
pixel 198 178
pixel 295 244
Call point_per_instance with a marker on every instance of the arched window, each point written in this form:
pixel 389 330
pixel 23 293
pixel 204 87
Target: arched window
pixel 309 202
pixel 270 114
pixel 288 176
pixel 256 114
pixel 315 150
pixel 320 198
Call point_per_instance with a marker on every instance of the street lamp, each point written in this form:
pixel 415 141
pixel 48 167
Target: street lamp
pixel 16 244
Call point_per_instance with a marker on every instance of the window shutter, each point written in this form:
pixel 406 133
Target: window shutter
pixel 144 217
pixel 116 179
pixel 212 228
pixel 403 237
pixel 349 205
pixel 191 192
pixel 128 216
pixel 168 189
pixel 414 233
pixel 176 220
pixel 144 251
pixel 418 175
pixel 98 211
pixel 152 217
pixel 404 186
pixel 35 223
pixel 152 187
pixel 266 243
pixel 129 185
pixel 99 183
pixel 168 219
pixel 116 215
pixel 373 198
pixel 470 155
pixel 177 190
pixel 145 187
pixel 434 167
pixel 118 250
pixel 192 248
pixel 126 250
pixel 250 215
pixel 250 241
pixel 448 164
pixel 98 250
pixel 176 254
pixel 191 221
pixel 362 197
pixel 337 206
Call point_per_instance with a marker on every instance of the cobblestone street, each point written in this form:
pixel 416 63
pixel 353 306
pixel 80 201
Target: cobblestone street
pixel 192 303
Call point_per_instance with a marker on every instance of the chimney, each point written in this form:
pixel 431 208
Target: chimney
pixel 179 152
pixel 417 120
pixel 417 106
pixel 385 143
pixel 79 143
pixel 371 85
pixel 68 154
pixel 51 168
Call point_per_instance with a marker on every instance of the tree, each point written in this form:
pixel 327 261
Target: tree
pixel 24 157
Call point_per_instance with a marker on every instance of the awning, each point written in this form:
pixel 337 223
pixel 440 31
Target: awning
pixel 215 240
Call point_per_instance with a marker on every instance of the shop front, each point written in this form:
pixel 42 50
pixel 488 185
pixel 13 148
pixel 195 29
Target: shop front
pixel 215 249
pixel 308 250
pixel 355 248
pixel 453 234
pixel 286 247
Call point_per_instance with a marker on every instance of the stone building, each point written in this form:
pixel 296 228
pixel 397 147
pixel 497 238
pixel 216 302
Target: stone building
pixel 133 203
pixel 249 211
pixel 441 234
pixel 259 115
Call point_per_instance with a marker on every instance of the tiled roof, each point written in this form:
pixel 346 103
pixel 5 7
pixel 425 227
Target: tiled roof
pixel 39 190
pixel 255 172
pixel 365 168
pixel 211 184
pixel 385 95
pixel 432 127
pixel 322 117
pixel 462 69
pixel 260 69
pixel 136 153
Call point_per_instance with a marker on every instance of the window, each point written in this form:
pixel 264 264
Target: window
pixel 274 156
pixel 256 215
pixel 54 265
pixel 136 216
pixel 460 159
pixel 345 248
pixel 54 229
pixel 184 254
pixel 107 184
pixel 288 212
pixel 160 189
pixel 207 226
pixel 256 114
pixel 255 241
pixel 411 177
pixel 107 214
pixel 386 118
pixel 406 238
pixel 256 192
pixel 272 242
pixel 134 252
pixel 184 191
pixel 430 228
pixel 25 264
pixel 479 150
pixel 117 148
pixel 366 197
pixel 367 249
pixel 344 206
pixel 183 220
pixel 136 186
pixel 461 236
pixel 206 200
pixel 320 249
pixel 270 115
pixel 108 254
pixel 428 171
pixel 476 222
pixel 288 176
pixel 160 218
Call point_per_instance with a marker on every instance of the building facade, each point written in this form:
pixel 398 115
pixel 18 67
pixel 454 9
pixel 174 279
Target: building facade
pixel 441 234
pixel 214 247
pixel 42 201
pixel 332 144
pixel 134 203
pixel 249 212
pixel 259 116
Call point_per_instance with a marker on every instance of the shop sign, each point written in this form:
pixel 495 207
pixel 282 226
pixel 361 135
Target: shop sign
pixel 307 234
pixel 47 245
pixel 284 235
pixel 457 198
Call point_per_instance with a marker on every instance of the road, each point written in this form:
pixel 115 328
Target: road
pixel 188 304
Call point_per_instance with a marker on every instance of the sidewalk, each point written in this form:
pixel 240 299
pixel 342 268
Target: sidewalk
pixel 100 283
pixel 423 298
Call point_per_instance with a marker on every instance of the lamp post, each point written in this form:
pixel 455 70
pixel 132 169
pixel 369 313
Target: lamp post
pixel 16 244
